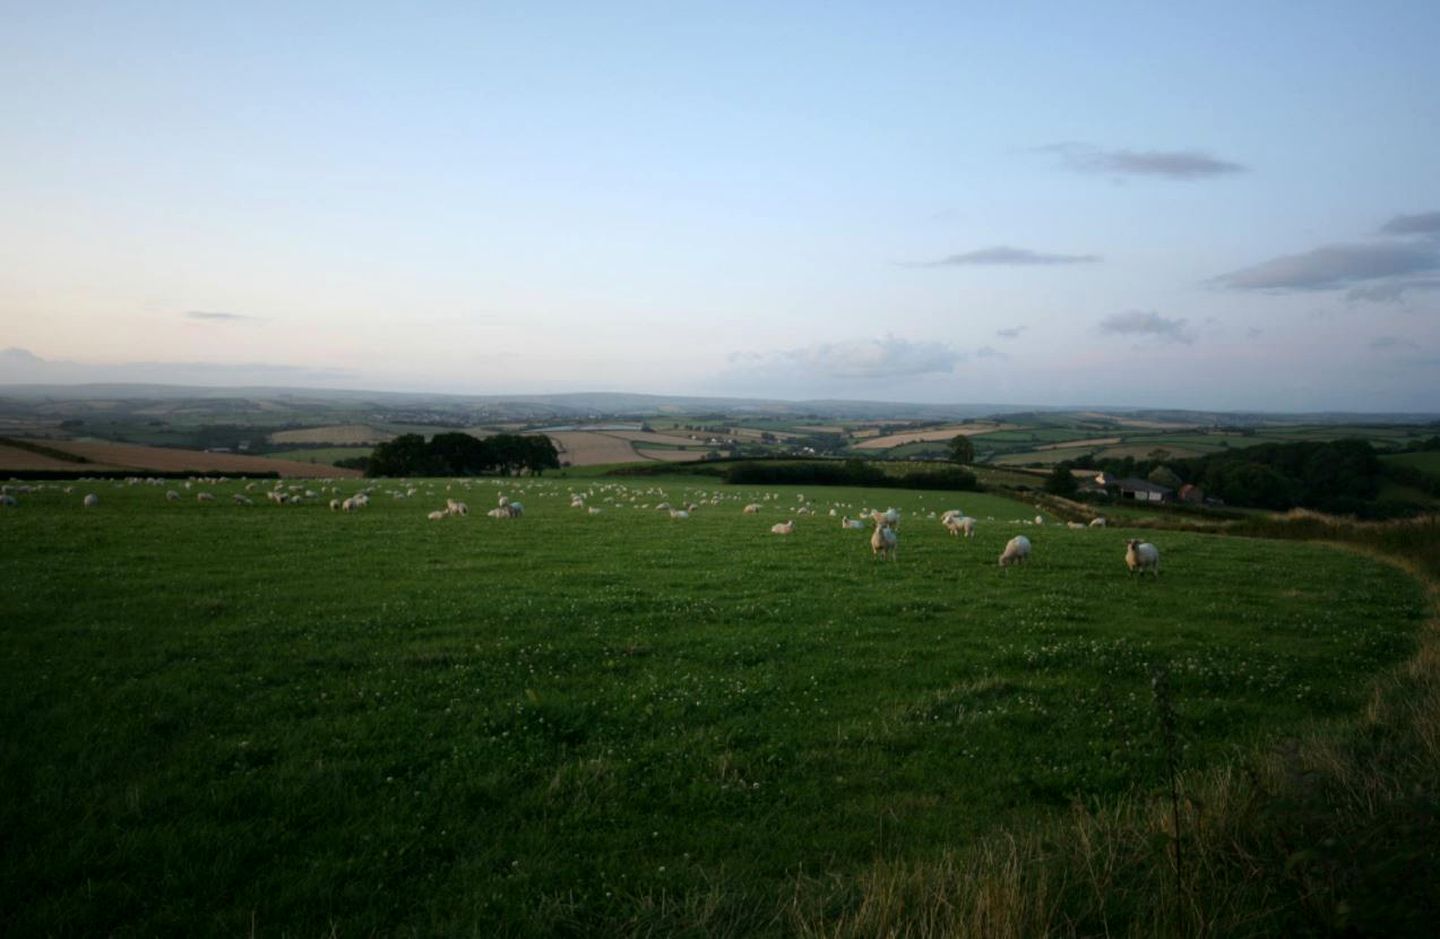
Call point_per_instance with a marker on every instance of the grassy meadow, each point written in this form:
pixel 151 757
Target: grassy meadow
pixel 225 718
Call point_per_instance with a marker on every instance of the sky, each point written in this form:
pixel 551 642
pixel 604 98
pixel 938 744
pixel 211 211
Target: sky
pixel 1228 206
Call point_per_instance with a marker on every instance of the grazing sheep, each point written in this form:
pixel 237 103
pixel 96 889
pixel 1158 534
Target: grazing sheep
pixel 1074 525
pixel 241 499
pixel 949 514
pixel 91 500
pixel 593 511
pixel 1141 556
pixel 204 497
pixel 499 512
pixel 1039 520
pixel 961 525
pixel 679 514
pixel 783 528
pixel 1097 522
pixel 1017 551
pixel 852 523
pixel 515 509
pixel 751 509
pixel 334 505
pixel 456 507
pixel 882 542
pixel 172 496
pixel 436 515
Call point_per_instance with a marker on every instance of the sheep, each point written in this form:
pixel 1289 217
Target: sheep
pixel 334 505
pixel 1074 525
pixel 949 514
pixel 854 524
pixel 515 509
pixel 1141 556
pixel 436 515
pixel 499 512
pixel 241 499
pixel 679 514
pixel 783 528
pixel 1039 520
pixel 10 501
pixel 961 525
pixel 456 507
pixel 1097 522
pixel 172 496
pixel 204 497
pixel 1017 551
pixel 593 511
pixel 91 500
pixel 751 509
pixel 882 542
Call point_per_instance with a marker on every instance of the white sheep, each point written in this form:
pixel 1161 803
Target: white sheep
pixel 679 514
pixel 456 507
pixel 1097 522
pixel 751 509
pixel 1039 520
pixel 949 514
pixel 961 525
pixel 172 496
pixel 882 542
pixel 1017 551
pixel 1141 556
pixel 334 505
pixel 204 497
pixel 436 515
pixel 91 500
pixel 1075 525
pixel 854 524
pixel 783 528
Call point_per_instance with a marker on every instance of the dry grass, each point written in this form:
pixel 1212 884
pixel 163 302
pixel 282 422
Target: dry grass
pixel 588 448
pixel 929 436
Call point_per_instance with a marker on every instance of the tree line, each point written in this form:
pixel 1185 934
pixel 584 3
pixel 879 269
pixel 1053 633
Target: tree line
pixel 459 454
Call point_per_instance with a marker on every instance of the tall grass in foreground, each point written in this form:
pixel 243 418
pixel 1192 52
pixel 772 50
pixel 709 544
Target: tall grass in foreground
pixel 1332 833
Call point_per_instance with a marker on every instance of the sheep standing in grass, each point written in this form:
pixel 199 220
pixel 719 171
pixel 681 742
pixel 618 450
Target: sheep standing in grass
pixel 783 528
pixel 1017 551
pixel 172 496
pixel 852 523
pixel 204 497
pixel 91 500
pixel 456 507
pixel 961 525
pixel 751 509
pixel 1142 556
pixel 882 542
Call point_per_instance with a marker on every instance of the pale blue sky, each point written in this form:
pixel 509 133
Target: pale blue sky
pixel 796 200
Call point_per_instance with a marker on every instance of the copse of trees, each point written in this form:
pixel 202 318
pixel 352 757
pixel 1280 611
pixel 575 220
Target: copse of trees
pixel 459 454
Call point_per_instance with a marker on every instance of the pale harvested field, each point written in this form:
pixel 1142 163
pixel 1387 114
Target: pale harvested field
pixel 929 436
pixel 1093 442
pixel 1143 450
pixel 129 456
pixel 750 433
pixel 338 434
pixel 821 428
pixel 587 448
pixel 639 436
pixel 16 460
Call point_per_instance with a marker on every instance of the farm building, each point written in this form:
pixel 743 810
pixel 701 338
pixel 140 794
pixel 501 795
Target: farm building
pixel 1192 494
pixel 1141 490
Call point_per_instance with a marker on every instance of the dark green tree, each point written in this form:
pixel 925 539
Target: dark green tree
pixel 1061 482
pixel 962 450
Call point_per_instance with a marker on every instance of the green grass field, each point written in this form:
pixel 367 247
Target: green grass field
pixel 282 718
pixel 321 454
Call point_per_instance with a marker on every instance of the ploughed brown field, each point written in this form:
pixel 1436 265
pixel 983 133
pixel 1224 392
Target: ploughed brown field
pixel 141 459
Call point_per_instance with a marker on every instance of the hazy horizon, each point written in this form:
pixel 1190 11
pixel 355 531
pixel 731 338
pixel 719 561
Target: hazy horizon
pixel 1229 208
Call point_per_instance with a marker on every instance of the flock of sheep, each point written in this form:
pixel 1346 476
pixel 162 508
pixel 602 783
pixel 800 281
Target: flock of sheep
pixel 1140 556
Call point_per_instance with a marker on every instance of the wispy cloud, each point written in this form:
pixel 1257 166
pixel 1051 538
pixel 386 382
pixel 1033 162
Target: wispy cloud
pixel 205 316
pixel 1003 255
pixel 1425 223
pixel 864 359
pixel 1394 291
pixel 1140 324
pixel 1334 266
pixel 1012 333
pixel 1387 343
pixel 1169 164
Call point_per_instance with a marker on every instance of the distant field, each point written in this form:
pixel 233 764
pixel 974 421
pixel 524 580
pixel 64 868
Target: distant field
pixel 338 434
pixel 1427 461
pixel 235 720
pixel 584 448
pixel 927 436
pixel 164 459
pixel 321 454
pixel 19 460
